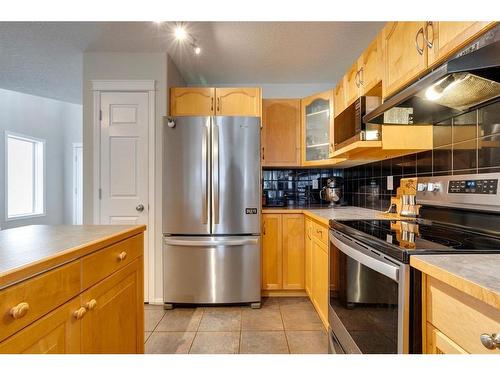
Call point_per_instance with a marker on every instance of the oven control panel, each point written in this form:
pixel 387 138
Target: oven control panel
pixel 472 191
pixel 486 186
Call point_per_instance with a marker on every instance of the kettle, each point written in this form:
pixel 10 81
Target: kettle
pixel 332 191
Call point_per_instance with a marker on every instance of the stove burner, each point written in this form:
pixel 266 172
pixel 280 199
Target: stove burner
pixel 482 242
pixel 443 241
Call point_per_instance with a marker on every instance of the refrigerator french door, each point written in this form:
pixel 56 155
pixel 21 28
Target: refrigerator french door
pixel 211 210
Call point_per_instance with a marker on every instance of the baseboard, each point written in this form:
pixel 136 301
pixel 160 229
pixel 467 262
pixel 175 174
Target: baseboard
pixel 284 293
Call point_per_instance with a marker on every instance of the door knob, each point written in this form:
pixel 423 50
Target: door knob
pixel 140 207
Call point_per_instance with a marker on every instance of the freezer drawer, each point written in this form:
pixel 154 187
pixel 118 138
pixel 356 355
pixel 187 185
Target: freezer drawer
pixel 211 269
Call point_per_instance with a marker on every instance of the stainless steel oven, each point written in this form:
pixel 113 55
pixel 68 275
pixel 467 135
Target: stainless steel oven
pixel 369 299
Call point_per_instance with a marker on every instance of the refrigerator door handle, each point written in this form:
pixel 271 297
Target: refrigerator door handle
pixel 214 242
pixel 204 173
pixel 215 172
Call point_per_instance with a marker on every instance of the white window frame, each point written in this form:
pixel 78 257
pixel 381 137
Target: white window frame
pixel 24 137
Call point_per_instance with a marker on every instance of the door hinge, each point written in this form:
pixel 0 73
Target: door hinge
pixel 100 115
pixel 100 193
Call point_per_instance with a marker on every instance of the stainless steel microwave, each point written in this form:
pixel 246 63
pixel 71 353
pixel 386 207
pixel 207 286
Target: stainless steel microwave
pixel 349 126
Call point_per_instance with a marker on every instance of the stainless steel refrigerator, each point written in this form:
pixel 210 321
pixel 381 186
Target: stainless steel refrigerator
pixel 211 210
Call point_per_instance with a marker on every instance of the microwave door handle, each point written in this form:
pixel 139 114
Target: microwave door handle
pixel 385 269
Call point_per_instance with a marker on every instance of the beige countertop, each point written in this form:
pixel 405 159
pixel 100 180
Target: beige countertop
pixel 324 215
pixel 474 274
pixel 26 251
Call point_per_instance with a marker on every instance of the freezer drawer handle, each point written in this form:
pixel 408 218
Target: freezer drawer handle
pixel 181 242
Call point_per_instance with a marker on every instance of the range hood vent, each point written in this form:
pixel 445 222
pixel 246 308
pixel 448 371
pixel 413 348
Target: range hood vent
pixel 468 80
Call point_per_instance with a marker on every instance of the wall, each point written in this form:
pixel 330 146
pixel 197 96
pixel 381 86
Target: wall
pixel 55 121
pixel 283 91
pixel 466 144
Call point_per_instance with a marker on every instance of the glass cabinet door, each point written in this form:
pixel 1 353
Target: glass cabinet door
pixel 317 130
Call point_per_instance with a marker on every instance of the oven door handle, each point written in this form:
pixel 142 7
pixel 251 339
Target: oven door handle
pixel 386 269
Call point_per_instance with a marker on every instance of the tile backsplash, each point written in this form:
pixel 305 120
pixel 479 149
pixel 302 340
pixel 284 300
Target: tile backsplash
pixel 469 143
pixel 294 187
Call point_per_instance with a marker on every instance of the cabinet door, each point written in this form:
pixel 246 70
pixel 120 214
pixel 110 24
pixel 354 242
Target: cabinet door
pixel 114 322
pixel 308 260
pixel 272 256
pixel 320 279
pixel 238 101
pixel 280 132
pixel 370 66
pixel 439 343
pixel 192 101
pixel 58 332
pixel 446 37
pixel 317 125
pixel 405 54
pixel 351 84
pixel 293 251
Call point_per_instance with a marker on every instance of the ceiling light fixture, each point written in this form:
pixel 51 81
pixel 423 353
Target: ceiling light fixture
pixel 196 49
pixel 180 32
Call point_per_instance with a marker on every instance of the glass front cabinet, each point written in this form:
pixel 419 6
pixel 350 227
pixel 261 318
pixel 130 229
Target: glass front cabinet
pixel 317 129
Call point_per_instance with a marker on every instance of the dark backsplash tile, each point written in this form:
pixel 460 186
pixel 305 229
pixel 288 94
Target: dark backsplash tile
pixel 466 144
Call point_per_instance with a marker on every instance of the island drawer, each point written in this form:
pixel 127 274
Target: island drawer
pixel 102 263
pixel 28 300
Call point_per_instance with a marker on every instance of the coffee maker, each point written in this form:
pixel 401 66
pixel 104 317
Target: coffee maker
pixel 332 191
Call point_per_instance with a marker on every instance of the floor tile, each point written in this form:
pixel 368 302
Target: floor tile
pixel 307 342
pixel 265 319
pixel 169 342
pixel 293 301
pixel 222 321
pixel 301 319
pixel 216 343
pixel 219 309
pixel 152 317
pixel 180 320
pixel 264 342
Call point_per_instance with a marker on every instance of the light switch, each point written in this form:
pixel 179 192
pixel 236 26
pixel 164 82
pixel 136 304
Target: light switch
pixel 390 182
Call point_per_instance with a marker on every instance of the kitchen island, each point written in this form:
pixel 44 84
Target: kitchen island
pixel 72 289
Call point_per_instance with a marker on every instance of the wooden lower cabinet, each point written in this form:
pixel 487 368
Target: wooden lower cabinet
pixel 114 322
pixel 59 332
pixel 283 254
pixel 308 255
pixel 439 343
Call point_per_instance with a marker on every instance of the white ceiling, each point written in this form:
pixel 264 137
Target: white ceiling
pixel 45 58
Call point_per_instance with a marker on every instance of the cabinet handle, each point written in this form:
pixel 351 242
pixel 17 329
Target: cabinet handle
pixel 122 256
pixel 356 79
pixel 20 310
pixel 309 232
pixel 430 43
pixel 212 104
pixel 490 341
pixel 264 228
pixel 218 104
pixel 361 72
pixel 78 314
pixel 419 50
pixel 263 154
pixel 90 305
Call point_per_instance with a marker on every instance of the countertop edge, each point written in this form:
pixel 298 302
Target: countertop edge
pixel 466 286
pixel 15 275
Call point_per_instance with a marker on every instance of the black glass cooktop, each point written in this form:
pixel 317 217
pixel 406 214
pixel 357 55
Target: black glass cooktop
pixel 401 238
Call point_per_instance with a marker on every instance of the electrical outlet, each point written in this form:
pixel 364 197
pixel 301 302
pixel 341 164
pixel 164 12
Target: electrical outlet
pixel 390 182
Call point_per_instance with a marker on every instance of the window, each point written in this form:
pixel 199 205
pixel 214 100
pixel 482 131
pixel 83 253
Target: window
pixel 24 176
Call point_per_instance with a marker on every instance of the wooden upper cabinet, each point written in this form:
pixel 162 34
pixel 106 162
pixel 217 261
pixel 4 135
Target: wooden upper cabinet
pixel 405 54
pixel 339 99
pixel 272 257
pixel 445 37
pixel 370 66
pixel 351 84
pixel 238 101
pixel 56 333
pixel 280 136
pixel 114 322
pixel 192 101
pixel 293 251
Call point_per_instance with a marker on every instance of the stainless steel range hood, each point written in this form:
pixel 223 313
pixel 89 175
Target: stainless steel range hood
pixel 469 79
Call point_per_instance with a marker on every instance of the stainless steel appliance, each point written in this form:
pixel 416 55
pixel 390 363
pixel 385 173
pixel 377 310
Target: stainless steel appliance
pixel 211 210
pixel 469 79
pixel 349 126
pixel 333 191
pixel 375 306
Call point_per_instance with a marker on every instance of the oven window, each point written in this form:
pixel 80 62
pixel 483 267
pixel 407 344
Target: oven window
pixel 366 303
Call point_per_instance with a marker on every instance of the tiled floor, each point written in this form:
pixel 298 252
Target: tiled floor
pixel 281 326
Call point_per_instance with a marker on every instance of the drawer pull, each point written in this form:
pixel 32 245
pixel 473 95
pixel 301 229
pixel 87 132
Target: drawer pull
pixel 20 310
pixel 490 341
pixel 78 314
pixel 90 305
pixel 122 256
